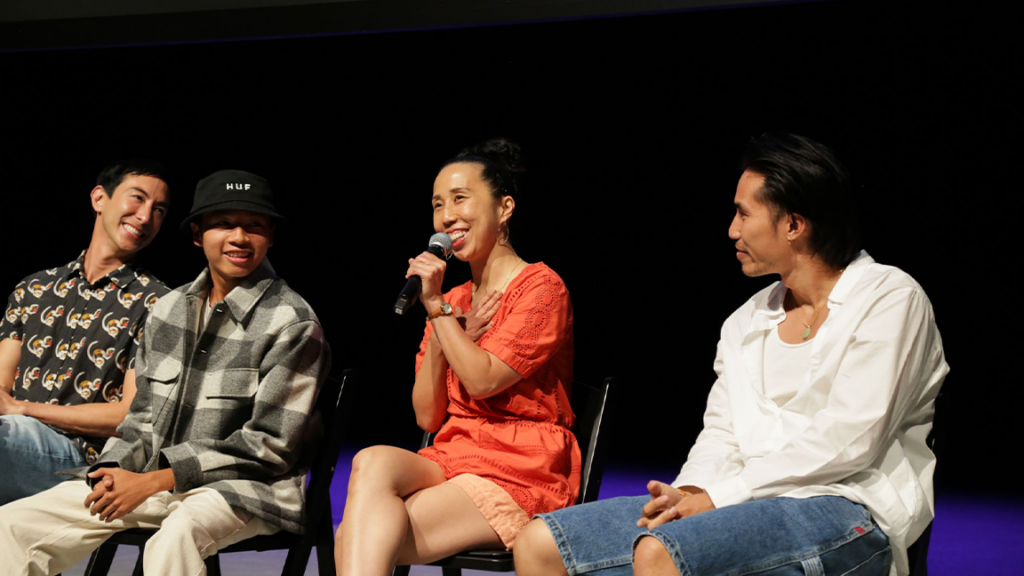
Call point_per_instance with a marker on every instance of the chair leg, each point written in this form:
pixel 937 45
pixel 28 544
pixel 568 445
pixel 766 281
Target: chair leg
pixel 325 557
pixel 212 565
pixel 138 562
pixel 99 562
pixel 298 558
pixel 324 543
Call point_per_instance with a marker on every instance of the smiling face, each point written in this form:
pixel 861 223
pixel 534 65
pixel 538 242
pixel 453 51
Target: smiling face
pixel 130 217
pixel 762 245
pixel 235 243
pixel 465 208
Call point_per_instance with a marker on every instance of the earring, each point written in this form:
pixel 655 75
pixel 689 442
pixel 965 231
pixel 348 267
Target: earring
pixel 503 237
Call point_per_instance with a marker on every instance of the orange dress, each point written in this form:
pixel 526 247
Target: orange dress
pixel 518 439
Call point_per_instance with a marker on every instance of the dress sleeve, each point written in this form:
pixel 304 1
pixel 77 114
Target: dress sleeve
pixel 538 323
pixel 890 358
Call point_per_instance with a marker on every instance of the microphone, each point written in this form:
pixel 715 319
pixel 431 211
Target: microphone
pixel 441 246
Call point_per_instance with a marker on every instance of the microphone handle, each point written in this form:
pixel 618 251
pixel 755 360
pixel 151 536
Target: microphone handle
pixel 411 291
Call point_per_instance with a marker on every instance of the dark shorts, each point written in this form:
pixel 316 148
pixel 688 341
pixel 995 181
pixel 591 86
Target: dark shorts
pixel 821 536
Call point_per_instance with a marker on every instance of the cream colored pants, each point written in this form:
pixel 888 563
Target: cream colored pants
pixel 53 530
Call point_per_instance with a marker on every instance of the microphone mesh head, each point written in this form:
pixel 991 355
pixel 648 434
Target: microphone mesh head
pixel 442 241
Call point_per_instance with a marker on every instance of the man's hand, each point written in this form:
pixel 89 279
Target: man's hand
pixel 668 504
pixel 663 501
pixel 8 405
pixel 119 492
pixel 478 321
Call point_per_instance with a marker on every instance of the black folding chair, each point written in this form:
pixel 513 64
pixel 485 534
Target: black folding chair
pixel 917 553
pixel 594 410
pixel 335 407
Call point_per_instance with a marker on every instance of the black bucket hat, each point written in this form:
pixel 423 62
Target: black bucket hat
pixel 232 190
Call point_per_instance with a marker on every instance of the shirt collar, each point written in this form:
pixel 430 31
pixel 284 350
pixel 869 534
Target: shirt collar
pixel 769 304
pixel 853 271
pixel 242 300
pixel 121 277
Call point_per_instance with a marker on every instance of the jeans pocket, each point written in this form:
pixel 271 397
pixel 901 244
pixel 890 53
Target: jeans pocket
pixel 867 555
pixel 877 565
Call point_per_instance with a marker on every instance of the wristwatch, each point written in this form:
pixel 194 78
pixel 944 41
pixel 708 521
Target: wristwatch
pixel 444 310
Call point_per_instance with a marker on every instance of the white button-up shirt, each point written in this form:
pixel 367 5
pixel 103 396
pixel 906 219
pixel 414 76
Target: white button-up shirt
pixel 856 427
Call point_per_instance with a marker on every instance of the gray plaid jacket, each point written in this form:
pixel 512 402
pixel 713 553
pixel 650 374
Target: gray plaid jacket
pixel 227 410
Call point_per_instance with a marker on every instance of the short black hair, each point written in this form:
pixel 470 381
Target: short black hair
pixel 114 173
pixel 804 177
pixel 502 162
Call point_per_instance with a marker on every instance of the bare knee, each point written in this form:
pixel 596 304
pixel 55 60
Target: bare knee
pixel 650 558
pixel 536 552
pixel 367 459
pixel 368 471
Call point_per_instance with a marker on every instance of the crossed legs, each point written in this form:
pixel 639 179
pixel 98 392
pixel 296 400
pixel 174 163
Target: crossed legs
pixel 536 553
pixel 399 510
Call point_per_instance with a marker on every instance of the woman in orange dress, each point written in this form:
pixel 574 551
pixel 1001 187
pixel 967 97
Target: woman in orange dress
pixel 493 377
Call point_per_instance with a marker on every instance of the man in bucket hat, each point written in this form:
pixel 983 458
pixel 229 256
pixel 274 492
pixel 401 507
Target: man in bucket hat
pixel 227 377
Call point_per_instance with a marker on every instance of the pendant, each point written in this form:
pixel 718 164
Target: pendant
pixel 807 333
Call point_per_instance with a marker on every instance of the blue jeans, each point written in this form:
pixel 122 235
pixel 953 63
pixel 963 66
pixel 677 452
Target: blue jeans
pixel 30 453
pixel 821 536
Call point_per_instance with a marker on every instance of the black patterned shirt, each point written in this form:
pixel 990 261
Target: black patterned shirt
pixel 77 339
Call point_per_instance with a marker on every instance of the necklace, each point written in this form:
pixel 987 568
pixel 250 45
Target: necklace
pixel 807 333
pixel 507 278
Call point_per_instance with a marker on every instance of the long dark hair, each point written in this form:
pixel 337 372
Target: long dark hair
pixel 804 177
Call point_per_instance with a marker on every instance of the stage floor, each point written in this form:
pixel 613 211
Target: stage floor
pixel 973 534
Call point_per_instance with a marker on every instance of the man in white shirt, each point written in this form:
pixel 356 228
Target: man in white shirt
pixel 813 457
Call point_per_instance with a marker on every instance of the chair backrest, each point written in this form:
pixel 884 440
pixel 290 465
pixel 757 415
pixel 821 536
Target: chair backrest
pixel 917 553
pixel 593 409
pixel 594 412
pixel 335 407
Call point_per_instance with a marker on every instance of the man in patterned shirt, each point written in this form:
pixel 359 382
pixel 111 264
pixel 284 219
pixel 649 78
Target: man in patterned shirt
pixel 227 378
pixel 68 337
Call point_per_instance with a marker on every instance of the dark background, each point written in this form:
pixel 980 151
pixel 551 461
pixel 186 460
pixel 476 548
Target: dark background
pixel 633 127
